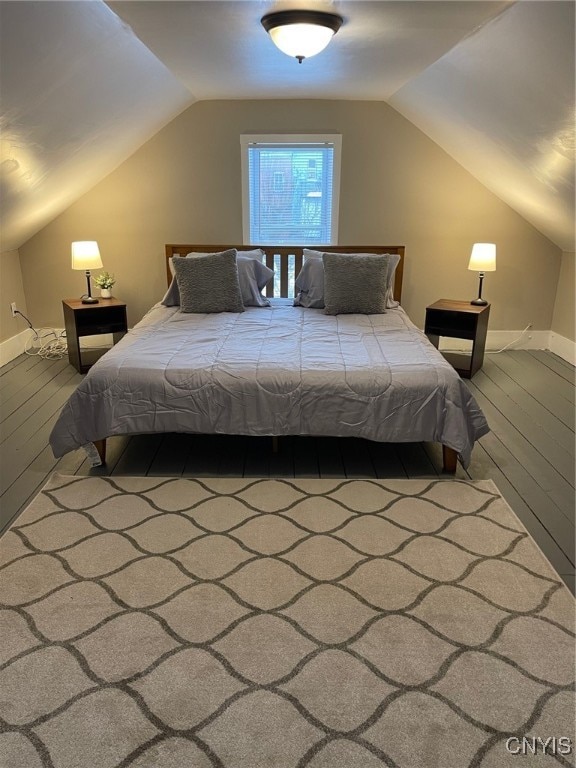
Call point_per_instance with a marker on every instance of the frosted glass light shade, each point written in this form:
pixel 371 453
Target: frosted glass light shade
pixel 301 40
pixel 301 33
pixel 483 257
pixel 86 255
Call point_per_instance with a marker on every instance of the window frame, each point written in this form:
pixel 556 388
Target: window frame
pixel 288 140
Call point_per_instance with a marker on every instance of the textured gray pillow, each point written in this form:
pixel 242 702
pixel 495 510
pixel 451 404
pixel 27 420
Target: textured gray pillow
pixel 393 261
pixel 209 284
pixel 253 276
pixel 310 280
pixel 172 295
pixel 355 284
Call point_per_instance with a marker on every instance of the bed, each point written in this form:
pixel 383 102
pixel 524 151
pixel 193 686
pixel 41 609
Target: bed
pixel 273 371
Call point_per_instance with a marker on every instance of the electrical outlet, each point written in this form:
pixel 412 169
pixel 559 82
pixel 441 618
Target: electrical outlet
pixel 13 308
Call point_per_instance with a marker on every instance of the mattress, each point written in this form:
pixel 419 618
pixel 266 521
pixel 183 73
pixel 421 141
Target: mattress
pixel 278 370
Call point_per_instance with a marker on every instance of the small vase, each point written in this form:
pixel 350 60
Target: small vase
pixel 105 293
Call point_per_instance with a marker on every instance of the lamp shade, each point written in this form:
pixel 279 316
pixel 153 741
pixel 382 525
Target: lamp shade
pixel 301 33
pixel 483 257
pixel 86 255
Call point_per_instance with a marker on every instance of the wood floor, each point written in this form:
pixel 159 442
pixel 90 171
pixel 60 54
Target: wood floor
pixel 527 397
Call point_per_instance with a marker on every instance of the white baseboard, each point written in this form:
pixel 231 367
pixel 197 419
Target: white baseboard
pixel 14 346
pixel 530 339
pixel 11 348
pixel 563 347
pixel 517 340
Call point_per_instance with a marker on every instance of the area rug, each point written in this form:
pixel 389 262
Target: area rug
pixel 235 623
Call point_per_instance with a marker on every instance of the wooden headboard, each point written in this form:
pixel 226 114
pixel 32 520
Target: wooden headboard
pixel 287 259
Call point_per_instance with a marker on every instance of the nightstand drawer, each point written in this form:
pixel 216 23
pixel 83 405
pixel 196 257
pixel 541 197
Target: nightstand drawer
pixel 96 328
pixel 94 321
pixel 445 323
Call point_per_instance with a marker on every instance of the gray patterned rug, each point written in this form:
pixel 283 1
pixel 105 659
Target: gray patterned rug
pixel 181 623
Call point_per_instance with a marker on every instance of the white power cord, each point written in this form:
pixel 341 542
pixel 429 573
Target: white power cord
pixel 514 341
pixel 47 343
pixel 494 351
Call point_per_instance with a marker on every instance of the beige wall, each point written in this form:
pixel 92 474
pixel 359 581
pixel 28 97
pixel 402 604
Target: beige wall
pixel 564 318
pixel 11 289
pixel 397 187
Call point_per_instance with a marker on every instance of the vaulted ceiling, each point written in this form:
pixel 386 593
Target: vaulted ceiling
pixel 85 84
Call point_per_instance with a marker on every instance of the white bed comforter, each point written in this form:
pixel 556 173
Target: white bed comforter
pixel 282 370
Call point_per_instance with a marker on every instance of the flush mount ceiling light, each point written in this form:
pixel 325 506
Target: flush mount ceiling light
pixel 301 33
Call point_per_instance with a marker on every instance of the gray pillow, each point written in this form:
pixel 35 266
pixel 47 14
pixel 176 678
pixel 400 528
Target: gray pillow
pixel 355 284
pixel 171 298
pixel 209 284
pixel 253 276
pixel 310 280
pixel 308 253
pixel 393 261
pixel 172 295
pixel 309 284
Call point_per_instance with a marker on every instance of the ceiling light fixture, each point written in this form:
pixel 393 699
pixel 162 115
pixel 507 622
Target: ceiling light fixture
pixel 301 33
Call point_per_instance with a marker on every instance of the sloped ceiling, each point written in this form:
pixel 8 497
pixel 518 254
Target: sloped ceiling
pixel 84 84
pixel 506 111
pixel 79 94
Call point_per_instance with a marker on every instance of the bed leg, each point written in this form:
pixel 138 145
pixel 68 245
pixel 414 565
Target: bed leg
pixel 274 443
pixel 101 448
pixel 450 459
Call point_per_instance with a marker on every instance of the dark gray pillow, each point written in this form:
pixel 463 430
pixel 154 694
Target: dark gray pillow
pixel 209 283
pixel 172 297
pixel 355 284
pixel 253 276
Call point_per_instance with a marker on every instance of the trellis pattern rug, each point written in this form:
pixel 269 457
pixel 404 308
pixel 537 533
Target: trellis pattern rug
pixel 186 623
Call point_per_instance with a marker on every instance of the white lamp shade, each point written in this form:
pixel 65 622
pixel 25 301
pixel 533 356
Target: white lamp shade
pixel 301 33
pixel 301 40
pixel 86 255
pixel 483 257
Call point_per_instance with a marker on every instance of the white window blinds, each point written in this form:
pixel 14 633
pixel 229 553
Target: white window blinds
pixel 291 189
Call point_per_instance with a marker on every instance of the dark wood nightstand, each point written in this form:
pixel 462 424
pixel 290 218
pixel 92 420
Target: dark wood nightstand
pixel 459 320
pixel 108 316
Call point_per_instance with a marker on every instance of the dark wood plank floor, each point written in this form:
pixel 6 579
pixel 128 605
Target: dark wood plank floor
pixel 528 399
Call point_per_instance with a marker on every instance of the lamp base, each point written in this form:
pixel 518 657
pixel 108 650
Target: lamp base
pixel 90 300
pixel 479 302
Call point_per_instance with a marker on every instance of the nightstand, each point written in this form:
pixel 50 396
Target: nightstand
pixel 459 320
pixel 108 316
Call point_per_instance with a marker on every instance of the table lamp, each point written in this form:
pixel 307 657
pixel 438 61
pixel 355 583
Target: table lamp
pixel 482 259
pixel 85 255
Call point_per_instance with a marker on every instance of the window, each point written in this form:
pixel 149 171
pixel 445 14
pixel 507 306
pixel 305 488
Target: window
pixel 290 189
